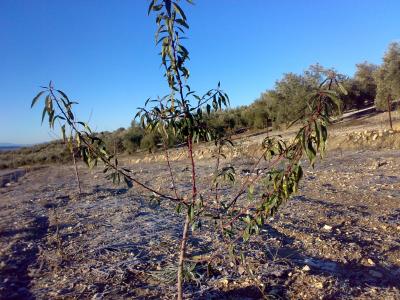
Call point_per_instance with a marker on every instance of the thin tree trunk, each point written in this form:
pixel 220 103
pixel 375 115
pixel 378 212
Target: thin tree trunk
pixel 182 254
pixel 389 104
pixel 76 172
pixel 185 234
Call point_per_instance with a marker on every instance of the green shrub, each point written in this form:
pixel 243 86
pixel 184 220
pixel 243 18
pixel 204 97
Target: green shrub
pixel 132 139
pixel 150 141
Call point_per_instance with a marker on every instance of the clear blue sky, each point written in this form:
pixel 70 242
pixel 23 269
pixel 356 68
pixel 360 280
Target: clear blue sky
pixel 102 52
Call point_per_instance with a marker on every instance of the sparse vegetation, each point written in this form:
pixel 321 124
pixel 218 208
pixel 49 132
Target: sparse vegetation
pixel 275 108
pixel 181 115
pixel 53 152
pixel 218 227
pixel 387 77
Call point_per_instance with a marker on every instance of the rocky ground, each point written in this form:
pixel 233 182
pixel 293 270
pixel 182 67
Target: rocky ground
pixel 339 238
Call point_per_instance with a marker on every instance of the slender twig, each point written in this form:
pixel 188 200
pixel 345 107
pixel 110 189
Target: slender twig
pixel 105 159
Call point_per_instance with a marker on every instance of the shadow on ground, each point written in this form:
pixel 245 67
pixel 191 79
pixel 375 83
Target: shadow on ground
pixel 15 276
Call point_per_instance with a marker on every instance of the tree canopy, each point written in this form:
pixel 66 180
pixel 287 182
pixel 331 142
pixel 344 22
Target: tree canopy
pixel 387 76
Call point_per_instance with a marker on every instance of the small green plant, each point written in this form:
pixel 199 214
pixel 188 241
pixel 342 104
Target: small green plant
pixel 181 115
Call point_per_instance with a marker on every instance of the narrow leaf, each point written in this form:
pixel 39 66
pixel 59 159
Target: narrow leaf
pixel 36 98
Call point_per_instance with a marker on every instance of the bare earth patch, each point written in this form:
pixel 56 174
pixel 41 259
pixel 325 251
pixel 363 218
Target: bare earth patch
pixel 339 238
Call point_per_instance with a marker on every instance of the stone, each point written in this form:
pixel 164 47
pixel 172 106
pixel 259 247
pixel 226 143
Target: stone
pixel 306 268
pixel 327 227
pixel 370 262
pixel 241 270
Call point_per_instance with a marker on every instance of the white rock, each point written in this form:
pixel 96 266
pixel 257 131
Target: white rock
pixel 370 262
pixel 306 268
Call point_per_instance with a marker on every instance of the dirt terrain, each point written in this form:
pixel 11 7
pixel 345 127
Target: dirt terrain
pixel 339 238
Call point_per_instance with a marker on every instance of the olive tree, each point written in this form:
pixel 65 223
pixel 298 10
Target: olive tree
pixel 387 77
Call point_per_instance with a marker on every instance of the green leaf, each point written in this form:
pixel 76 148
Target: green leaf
pixel 246 234
pixel 299 173
pixel 63 94
pixel 168 6
pixel 182 22
pixel 191 213
pixel 48 103
pixel 150 6
pixel 336 101
pixel 251 189
pixel 36 98
pixel 311 153
pixel 179 10
pixel 85 125
pixel 228 232
pixel 196 225
pixel 156 7
pixel 44 113
pixel 317 133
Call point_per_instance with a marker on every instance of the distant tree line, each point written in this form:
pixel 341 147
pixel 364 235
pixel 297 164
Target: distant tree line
pixel 387 77
pixel 275 108
pixel 284 103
